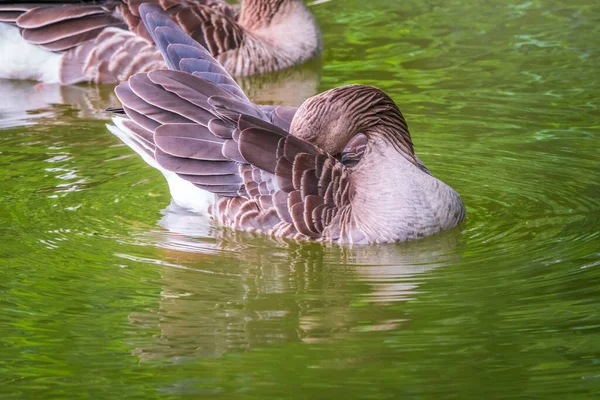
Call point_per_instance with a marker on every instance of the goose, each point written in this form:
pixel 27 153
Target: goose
pixel 104 41
pixel 341 168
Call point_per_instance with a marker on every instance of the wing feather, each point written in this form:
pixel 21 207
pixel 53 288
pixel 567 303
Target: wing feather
pixel 59 27
pixel 265 179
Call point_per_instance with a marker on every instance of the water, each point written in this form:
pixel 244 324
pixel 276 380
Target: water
pixel 105 292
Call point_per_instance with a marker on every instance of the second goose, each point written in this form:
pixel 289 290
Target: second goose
pixel 104 41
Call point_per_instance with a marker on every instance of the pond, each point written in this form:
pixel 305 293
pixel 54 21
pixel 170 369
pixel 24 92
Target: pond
pixel 106 291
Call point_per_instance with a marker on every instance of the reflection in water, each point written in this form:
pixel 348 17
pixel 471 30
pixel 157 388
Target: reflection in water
pixel 28 102
pixel 288 87
pixel 226 291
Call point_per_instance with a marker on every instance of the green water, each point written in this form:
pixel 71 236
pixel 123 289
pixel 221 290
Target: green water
pixel 105 292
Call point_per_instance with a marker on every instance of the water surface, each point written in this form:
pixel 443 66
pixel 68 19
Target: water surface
pixel 106 292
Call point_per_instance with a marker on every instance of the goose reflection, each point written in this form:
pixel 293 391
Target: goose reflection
pixel 289 87
pixel 27 102
pixel 226 291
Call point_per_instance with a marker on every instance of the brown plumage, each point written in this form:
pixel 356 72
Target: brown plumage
pixel 105 42
pixel 280 171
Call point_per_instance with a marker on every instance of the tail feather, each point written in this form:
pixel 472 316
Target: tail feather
pixel 123 132
pixel 185 194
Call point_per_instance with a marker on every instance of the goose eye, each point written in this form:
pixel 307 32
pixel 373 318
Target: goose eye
pixel 350 159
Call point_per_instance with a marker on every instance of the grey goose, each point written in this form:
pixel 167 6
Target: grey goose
pixel 104 41
pixel 340 168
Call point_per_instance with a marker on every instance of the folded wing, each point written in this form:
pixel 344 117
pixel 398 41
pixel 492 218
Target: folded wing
pixel 198 123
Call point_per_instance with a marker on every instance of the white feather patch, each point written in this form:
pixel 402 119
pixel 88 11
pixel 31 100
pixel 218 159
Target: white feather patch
pixel 22 60
pixel 184 193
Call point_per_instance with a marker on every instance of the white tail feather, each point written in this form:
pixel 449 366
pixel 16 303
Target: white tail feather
pixel 22 60
pixel 184 193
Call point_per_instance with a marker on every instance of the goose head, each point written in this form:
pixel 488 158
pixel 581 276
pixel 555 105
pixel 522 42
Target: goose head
pixel 393 196
pixel 333 118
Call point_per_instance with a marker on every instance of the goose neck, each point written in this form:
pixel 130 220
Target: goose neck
pixel 259 14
